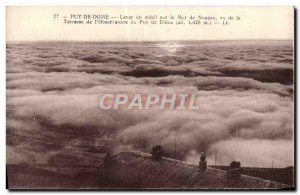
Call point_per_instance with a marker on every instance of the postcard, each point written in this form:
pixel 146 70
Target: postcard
pixel 150 98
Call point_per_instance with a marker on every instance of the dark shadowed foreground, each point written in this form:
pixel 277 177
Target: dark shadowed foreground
pixel 135 170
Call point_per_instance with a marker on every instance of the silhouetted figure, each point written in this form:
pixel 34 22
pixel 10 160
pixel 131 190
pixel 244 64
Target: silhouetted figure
pixel 157 153
pixel 202 157
pixel 235 164
pixel 107 161
pixel 234 171
pixel 202 163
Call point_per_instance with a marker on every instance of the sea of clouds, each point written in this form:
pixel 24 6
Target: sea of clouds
pixel 245 90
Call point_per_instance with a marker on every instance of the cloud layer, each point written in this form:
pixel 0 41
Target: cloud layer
pixel 245 91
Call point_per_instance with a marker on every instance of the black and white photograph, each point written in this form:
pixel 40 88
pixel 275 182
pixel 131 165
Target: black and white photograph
pixel 116 98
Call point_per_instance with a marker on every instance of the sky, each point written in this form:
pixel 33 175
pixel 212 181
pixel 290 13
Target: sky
pixel 38 24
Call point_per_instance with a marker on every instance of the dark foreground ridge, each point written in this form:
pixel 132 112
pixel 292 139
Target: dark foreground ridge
pixel 139 170
pixel 136 170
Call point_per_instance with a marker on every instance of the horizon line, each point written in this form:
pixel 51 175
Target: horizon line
pixel 14 41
